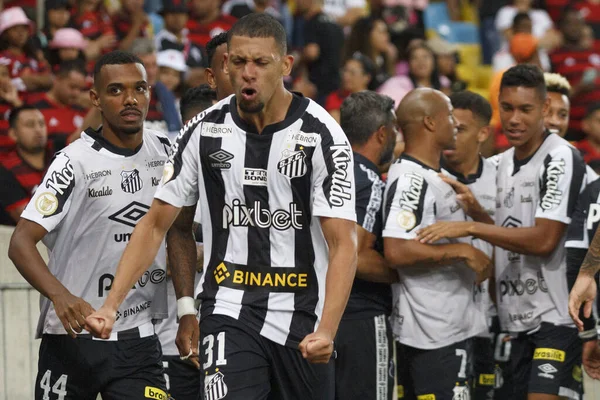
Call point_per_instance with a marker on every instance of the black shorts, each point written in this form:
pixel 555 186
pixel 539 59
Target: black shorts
pixel 484 369
pixel 440 374
pixel 183 378
pixel 547 361
pixel 239 364
pixel 365 365
pixel 79 369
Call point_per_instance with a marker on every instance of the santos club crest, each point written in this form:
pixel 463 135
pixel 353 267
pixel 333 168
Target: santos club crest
pixel 131 181
pixel 292 164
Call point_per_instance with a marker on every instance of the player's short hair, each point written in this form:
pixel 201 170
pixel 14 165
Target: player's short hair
pixel 525 75
pixel 556 83
pixel 591 110
pixel 213 44
pixel 195 100
pixel 13 117
pixel 259 25
pixel 66 67
pixel 116 57
pixel 519 18
pixel 362 113
pixel 473 102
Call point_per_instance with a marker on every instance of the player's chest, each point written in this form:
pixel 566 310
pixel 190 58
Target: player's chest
pixel 518 194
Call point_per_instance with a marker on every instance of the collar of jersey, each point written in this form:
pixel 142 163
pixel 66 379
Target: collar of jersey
pixel 297 107
pixel 100 142
pixel 520 163
pixel 467 180
pixel 414 160
pixel 359 158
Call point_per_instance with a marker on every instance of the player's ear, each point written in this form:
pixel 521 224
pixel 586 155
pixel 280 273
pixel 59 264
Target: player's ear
pixel 381 135
pixel 94 98
pixel 12 134
pixel 288 63
pixel 225 62
pixel 210 78
pixel 429 123
pixel 483 134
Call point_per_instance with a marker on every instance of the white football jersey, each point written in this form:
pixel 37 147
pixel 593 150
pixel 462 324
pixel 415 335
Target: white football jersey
pixel 89 201
pixel 433 306
pixel 546 185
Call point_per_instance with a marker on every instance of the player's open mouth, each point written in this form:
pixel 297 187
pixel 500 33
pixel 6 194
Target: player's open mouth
pixel 249 93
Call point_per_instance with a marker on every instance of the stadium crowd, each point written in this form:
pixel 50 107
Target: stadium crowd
pixel 501 97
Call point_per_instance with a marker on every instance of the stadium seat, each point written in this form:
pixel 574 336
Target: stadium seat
pixel 470 54
pixel 435 15
pixel 459 32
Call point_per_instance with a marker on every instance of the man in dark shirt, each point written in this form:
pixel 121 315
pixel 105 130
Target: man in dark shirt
pixel 62 115
pixel 206 21
pixel 22 170
pixel 323 44
pixel 365 363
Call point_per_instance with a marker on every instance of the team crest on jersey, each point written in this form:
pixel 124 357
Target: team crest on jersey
pixel 214 386
pixel 461 393
pixel 131 181
pixel 46 203
pixel 509 200
pixel 292 164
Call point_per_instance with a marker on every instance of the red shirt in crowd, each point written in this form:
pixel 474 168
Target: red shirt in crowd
pixel 122 25
pixel 18 180
pixel 6 143
pixel 61 121
pixel 590 153
pixel 200 34
pixel 92 24
pixel 335 99
pixel 572 64
pixel 20 64
pixel 155 118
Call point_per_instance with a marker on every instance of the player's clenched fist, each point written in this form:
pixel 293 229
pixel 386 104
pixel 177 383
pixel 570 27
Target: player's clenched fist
pixel 317 347
pixel 72 311
pixel 187 339
pixel 101 322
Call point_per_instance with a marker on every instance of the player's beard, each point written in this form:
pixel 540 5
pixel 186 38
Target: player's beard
pixel 387 154
pixel 126 130
pixel 251 108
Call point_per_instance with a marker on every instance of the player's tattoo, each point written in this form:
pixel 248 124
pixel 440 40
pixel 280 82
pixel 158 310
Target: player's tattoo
pixel 591 263
pixel 181 250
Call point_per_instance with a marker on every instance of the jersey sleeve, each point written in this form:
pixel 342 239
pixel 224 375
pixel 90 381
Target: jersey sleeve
pixel 179 184
pixel 13 194
pixel 369 193
pixel 53 198
pixel 334 193
pixel 577 233
pixel 562 176
pixel 409 206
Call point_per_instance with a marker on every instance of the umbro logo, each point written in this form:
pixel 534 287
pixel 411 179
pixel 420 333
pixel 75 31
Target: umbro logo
pixel 219 159
pixel 130 214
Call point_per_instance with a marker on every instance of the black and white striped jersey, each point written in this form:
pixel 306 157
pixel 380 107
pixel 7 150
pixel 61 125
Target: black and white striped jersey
pixel 89 202
pixel 261 196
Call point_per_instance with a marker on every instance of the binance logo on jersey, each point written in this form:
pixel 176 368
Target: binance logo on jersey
pixel 155 393
pixel 549 354
pixel 426 397
pixel 221 273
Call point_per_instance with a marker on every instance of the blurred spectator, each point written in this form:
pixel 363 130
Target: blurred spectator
pixel 241 8
pixel 541 22
pixel 131 22
pixel 590 146
pixel 215 51
pixel 67 45
pixel 162 111
pixel 580 66
pixel 447 58
pixel 590 11
pixel 488 34
pixel 322 53
pixel 587 37
pixel 171 72
pixel 345 12
pixel 370 36
pixel 559 90
pixel 59 105
pixel 422 73
pixel 58 13
pixel 22 170
pixel 175 36
pixel 206 21
pixel 28 73
pixel 504 59
pixel 357 74
pixel 91 19
pixel 9 99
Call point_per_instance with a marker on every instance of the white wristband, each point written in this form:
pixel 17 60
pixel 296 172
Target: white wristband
pixel 186 306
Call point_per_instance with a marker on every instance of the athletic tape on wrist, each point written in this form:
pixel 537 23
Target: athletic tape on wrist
pixel 186 306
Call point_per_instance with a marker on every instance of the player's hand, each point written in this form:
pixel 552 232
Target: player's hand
pixel 443 230
pixel 591 358
pixel 101 322
pixel 465 198
pixel 583 293
pixel 187 338
pixel 479 262
pixel 317 347
pixel 72 311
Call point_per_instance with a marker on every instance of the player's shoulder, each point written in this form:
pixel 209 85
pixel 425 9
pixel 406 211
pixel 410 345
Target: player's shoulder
pixel 215 114
pixel 156 136
pixel 407 169
pixel 316 119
